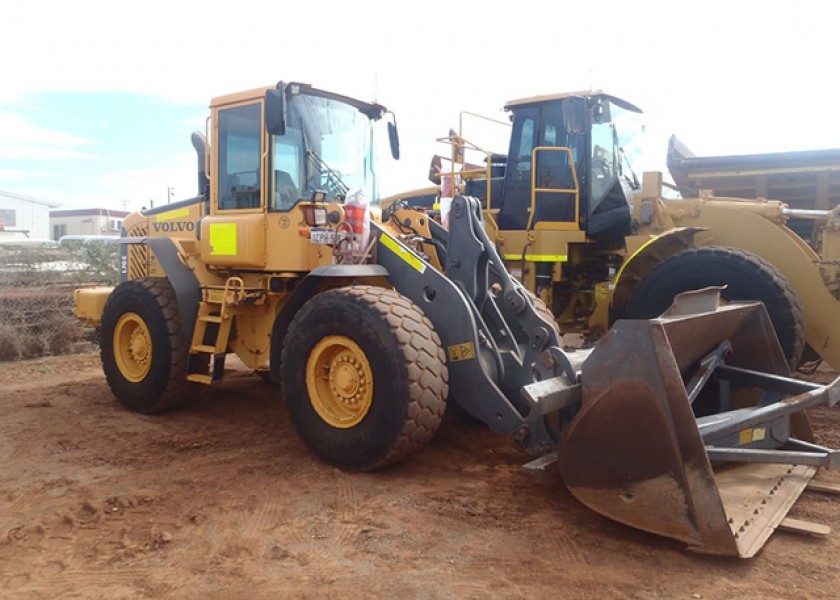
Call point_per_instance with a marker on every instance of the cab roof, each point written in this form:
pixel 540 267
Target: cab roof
pixel 541 99
pixel 371 109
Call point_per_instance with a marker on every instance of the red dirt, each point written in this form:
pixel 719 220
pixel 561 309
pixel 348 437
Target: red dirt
pixel 222 500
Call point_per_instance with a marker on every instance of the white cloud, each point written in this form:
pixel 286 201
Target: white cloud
pixel 21 140
pixel 140 187
pixel 18 175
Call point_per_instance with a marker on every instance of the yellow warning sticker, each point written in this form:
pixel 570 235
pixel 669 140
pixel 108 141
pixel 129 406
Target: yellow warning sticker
pixel 752 435
pixel 538 257
pixel 211 295
pixel 465 351
pixel 412 260
pixel 223 239
pixel 602 291
pixel 173 214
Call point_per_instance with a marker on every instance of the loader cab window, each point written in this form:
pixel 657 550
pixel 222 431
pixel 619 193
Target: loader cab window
pixel 604 160
pixel 516 193
pixel 614 144
pixel 328 147
pixel 526 144
pixel 239 177
pixel 556 166
pixel 287 169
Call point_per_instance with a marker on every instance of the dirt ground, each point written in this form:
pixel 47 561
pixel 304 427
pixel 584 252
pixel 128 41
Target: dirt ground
pixel 222 500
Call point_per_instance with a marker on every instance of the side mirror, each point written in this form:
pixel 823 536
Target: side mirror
pixel 394 136
pixel 275 110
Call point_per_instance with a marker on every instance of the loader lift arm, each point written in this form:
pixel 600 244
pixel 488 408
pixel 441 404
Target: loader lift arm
pixel 487 324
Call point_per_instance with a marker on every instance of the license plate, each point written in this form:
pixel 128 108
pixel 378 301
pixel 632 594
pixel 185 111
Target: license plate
pixel 322 236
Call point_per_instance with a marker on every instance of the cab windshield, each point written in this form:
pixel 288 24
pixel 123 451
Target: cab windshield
pixel 327 147
pixel 616 148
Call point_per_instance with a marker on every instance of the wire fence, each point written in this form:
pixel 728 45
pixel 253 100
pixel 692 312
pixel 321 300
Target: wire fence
pixel 36 296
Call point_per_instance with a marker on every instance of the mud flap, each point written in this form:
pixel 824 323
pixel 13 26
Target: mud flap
pixel 635 451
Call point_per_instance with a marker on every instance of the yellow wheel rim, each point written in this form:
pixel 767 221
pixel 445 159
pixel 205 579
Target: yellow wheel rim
pixel 133 347
pixel 339 381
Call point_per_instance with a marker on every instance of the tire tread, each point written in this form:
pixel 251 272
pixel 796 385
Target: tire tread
pixel 177 390
pixel 791 332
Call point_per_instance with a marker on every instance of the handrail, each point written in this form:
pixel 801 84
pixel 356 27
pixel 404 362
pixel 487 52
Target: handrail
pixel 535 189
pixel 458 145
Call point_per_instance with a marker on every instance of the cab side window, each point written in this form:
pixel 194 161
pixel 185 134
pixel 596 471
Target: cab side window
pixel 554 169
pixel 287 169
pixel 239 139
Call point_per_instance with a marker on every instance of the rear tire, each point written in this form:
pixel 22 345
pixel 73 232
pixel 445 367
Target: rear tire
pixel 363 376
pixel 143 349
pixel 747 277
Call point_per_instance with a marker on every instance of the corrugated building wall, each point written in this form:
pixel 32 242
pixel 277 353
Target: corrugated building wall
pixel 24 214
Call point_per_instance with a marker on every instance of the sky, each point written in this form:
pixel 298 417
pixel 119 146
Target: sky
pixel 98 99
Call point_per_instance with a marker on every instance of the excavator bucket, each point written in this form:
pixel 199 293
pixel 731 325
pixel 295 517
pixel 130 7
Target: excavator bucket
pixel 637 451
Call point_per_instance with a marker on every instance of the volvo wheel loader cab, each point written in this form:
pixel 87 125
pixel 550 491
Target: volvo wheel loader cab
pixel 369 340
pixel 579 223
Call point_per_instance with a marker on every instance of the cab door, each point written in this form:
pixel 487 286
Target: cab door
pixel 516 194
pixel 554 181
pixel 541 188
pixel 234 233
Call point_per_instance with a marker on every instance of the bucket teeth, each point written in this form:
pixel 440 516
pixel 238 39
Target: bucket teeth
pixel 757 498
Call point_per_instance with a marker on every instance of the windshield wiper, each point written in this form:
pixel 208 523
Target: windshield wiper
pixel 334 181
pixel 333 177
pixel 634 183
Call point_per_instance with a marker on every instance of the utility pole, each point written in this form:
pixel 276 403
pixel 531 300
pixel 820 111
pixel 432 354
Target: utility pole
pixel 170 191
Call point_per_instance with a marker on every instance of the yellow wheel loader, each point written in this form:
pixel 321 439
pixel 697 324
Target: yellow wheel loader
pixel 578 224
pixel 369 339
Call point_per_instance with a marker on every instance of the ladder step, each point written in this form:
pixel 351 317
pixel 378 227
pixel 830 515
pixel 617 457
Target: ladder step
pixel 210 318
pixel 205 348
pixel 198 369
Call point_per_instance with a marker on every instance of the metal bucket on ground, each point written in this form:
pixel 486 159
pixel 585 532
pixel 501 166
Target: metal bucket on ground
pixel 637 452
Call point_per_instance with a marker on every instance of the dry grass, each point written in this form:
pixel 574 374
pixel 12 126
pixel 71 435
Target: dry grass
pixel 36 297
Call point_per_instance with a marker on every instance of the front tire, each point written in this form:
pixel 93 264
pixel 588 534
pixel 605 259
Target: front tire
pixel 143 348
pixel 363 377
pixel 746 277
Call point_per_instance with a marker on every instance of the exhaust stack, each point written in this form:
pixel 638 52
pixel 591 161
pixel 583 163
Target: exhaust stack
pixel 199 142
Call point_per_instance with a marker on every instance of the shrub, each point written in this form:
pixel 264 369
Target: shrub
pixel 36 296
